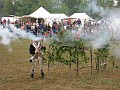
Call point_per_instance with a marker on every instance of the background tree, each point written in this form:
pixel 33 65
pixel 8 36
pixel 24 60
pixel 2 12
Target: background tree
pixel 7 7
pixel 105 3
pixel 59 7
pixel 47 4
pixel 118 4
pixel 1 7
pixel 96 8
pixel 64 9
pixel 25 7
pixel 72 5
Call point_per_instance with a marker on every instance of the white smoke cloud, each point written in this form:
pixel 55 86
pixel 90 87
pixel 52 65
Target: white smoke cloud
pixel 105 13
pixel 7 35
pixel 92 6
pixel 110 15
pixel 102 39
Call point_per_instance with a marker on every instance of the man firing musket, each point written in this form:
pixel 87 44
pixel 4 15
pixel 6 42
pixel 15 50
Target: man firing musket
pixel 37 54
pixel 34 48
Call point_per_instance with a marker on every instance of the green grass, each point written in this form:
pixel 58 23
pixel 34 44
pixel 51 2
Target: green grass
pixel 15 73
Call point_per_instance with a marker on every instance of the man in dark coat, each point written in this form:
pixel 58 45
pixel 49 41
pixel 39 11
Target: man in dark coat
pixel 32 51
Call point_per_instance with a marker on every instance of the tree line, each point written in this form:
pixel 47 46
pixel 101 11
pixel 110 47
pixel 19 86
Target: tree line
pixel 26 7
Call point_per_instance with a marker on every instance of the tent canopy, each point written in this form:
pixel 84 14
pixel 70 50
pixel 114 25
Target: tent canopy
pixel 25 16
pixel 58 16
pixel 80 15
pixel 115 24
pixel 40 13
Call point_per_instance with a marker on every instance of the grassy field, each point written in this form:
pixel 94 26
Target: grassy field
pixel 15 72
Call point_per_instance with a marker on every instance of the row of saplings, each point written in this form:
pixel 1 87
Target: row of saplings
pixel 80 54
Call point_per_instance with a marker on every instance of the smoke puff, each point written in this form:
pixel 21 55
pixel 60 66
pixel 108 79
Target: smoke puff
pixel 12 33
pixel 101 40
pixel 5 36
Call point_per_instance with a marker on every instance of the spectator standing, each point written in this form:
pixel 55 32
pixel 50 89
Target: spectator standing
pixel 79 22
pixel 4 22
pixel 8 21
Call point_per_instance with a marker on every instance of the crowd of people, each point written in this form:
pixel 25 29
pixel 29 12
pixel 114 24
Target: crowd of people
pixel 47 30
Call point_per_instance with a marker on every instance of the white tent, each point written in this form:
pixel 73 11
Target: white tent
pixel 40 13
pixel 82 16
pixel 12 18
pixel 58 16
pixel 115 28
pixel 115 24
pixel 25 16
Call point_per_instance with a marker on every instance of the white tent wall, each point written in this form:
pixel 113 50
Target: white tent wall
pixel 12 19
pixel 57 17
pixel 81 16
pixel 115 23
pixel 50 20
pixel 115 28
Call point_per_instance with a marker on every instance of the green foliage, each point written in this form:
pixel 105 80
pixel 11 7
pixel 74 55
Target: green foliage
pixel 1 5
pixel 73 6
pixel 63 9
pixel 105 3
pixel 102 55
pixel 47 4
pixel 8 7
pixel 66 49
pixel 25 7
pixel 118 5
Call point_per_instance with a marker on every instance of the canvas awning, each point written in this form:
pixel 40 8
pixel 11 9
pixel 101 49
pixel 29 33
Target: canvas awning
pixel 40 13
pixel 80 15
pixel 58 16
pixel 115 24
